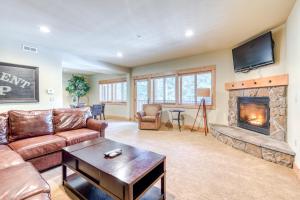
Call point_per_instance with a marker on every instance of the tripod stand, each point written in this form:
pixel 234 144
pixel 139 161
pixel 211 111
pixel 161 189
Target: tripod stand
pixel 204 116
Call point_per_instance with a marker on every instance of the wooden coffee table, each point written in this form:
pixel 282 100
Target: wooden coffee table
pixel 129 176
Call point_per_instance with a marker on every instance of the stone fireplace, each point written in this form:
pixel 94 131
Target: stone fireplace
pixel 254 114
pixel 257 119
pixel 270 103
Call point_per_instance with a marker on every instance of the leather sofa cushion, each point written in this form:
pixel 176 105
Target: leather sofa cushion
pixel 148 119
pixel 3 128
pixel 38 146
pixel 47 161
pixel 70 118
pixel 26 124
pixel 21 181
pixel 9 158
pixel 79 135
pixel 4 148
pixel 40 196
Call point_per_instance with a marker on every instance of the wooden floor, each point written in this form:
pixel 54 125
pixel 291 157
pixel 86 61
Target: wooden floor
pixel 201 168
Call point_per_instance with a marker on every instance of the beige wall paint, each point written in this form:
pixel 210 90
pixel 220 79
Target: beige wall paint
pixel 67 98
pixel 279 67
pixel 224 73
pixel 50 74
pixel 110 109
pixel 293 68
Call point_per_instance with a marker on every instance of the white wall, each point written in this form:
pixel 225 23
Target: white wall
pixel 50 74
pixel 293 68
pixel 110 109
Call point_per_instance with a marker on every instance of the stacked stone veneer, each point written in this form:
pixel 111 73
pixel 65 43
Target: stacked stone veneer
pixel 278 107
pixel 258 145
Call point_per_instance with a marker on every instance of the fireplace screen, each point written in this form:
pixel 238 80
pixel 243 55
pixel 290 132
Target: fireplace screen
pixel 254 114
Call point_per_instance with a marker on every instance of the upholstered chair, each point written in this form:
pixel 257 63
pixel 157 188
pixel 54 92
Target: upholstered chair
pixel 150 117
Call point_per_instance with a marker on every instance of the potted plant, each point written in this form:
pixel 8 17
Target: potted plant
pixel 78 87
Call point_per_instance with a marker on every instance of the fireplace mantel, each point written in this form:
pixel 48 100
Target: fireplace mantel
pixel 272 81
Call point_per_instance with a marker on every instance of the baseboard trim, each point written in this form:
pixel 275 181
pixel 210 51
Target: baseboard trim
pixel 196 129
pixel 117 117
pixel 186 127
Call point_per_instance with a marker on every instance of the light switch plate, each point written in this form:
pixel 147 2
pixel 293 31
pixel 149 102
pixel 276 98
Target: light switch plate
pixel 50 91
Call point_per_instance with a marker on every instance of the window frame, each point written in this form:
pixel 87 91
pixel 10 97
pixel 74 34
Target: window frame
pixel 113 95
pixel 195 74
pixel 152 81
pixel 178 86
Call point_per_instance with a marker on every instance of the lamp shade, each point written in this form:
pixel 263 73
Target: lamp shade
pixel 203 92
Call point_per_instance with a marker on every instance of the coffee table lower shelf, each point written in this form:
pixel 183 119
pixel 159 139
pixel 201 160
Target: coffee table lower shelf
pixel 78 188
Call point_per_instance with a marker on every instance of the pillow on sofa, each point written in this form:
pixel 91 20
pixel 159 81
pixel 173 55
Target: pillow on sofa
pixel 66 119
pixel 25 124
pixel 3 128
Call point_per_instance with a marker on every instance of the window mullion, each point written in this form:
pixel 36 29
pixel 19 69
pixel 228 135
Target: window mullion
pixel 195 85
pixel 164 90
pixel 122 91
pixel 112 92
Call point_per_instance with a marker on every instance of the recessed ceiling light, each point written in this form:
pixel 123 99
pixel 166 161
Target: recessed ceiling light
pixel 44 29
pixel 120 54
pixel 189 33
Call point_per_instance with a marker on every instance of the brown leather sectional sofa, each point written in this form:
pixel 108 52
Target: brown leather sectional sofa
pixel 31 141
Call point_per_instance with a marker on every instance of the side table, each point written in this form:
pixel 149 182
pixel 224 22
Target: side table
pixel 176 116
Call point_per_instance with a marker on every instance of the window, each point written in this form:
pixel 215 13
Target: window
pixel 204 80
pixel 164 89
pixel 189 85
pixel 187 89
pixel 177 89
pixel 114 91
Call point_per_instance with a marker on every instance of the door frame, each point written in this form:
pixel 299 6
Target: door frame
pixel 135 92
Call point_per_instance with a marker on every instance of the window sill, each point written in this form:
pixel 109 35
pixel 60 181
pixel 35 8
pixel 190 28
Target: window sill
pixel 116 103
pixel 208 107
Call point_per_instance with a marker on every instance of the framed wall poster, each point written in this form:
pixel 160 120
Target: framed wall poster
pixel 18 83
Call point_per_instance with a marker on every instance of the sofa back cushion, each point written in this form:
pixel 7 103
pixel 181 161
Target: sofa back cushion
pixel 3 128
pixel 66 119
pixel 151 109
pixel 25 124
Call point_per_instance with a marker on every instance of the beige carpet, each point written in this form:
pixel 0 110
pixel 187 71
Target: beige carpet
pixel 202 168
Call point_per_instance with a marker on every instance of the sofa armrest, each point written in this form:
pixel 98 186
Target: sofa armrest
pixel 97 125
pixel 158 114
pixel 140 114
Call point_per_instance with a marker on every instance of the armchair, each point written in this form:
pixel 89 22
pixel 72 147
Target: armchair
pixel 150 117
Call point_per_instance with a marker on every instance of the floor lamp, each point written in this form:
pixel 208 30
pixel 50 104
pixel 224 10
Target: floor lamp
pixel 202 92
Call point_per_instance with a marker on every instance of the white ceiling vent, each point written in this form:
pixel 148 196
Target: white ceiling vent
pixel 29 49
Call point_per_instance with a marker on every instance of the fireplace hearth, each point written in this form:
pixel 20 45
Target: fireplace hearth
pixel 254 114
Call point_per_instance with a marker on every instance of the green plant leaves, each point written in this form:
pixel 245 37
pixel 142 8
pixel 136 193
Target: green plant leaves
pixel 78 86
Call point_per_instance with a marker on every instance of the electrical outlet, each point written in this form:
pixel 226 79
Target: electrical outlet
pixel 295 143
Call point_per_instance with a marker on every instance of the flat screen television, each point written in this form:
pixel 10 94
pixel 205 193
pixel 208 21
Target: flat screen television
pixel 255 53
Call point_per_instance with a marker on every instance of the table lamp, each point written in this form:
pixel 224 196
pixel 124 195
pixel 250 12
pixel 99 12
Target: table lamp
pixel 202 92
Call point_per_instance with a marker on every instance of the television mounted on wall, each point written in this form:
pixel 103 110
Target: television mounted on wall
pixel 253 54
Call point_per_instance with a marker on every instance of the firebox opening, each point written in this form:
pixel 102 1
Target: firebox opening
pixel 254 114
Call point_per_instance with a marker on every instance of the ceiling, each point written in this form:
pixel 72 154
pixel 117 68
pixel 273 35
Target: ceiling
pixel 145 31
